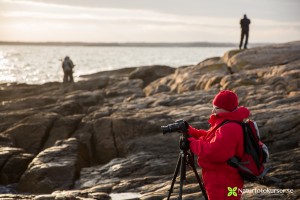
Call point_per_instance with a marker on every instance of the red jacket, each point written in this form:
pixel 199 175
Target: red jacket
pixel 214 147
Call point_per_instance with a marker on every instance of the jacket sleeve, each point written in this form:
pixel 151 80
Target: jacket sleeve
pixel 222 146
pixel 196 133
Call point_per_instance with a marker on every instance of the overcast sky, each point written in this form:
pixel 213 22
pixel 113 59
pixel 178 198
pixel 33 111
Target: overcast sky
pixel 148 20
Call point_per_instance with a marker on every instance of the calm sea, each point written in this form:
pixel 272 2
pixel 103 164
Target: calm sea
pixel 39 64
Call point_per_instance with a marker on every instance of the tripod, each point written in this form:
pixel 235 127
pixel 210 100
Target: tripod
pixel 186 157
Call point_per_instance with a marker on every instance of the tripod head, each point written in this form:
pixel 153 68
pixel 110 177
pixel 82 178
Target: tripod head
pixel 184 143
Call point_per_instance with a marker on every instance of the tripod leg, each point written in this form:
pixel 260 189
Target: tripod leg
pixel 174 176
pixel 182 174
pixel 192 165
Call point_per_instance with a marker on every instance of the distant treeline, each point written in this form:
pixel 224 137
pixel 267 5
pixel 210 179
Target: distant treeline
pixel 129 44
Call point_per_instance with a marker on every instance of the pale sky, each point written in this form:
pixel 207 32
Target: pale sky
pixel 274 21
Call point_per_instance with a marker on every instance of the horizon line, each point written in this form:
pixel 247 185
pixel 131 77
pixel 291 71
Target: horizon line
pixel 130 44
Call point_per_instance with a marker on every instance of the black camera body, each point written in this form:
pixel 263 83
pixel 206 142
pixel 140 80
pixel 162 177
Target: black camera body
pixel 179 126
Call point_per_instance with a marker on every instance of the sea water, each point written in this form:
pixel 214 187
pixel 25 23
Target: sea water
pixel 38 64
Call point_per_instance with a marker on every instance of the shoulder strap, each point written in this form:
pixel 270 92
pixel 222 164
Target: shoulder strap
pixel 223 123
pixel 219 125
pixel 234 160
pixel 235 121
pixel 226 122
pixel 215 128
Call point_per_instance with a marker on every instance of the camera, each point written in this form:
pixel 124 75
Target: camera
pixel 179 126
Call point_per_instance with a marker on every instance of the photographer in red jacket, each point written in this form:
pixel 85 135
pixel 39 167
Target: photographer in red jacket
pixel 216 145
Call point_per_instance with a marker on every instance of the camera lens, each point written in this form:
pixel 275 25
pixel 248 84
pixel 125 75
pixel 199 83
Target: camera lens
pixel 165 129
pixel 170 128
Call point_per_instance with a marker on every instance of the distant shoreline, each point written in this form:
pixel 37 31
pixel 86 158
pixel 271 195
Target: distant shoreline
pixel 126 44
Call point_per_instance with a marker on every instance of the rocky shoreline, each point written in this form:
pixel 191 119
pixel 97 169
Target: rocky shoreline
pixel 102 135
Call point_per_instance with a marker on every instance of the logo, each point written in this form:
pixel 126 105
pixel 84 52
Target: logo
pixel 232 191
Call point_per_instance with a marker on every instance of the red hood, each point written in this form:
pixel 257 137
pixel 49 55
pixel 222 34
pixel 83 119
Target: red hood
pixel 239 115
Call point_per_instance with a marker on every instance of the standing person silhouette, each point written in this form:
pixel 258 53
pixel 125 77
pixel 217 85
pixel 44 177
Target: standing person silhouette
pixel 245 22
pixel 68 66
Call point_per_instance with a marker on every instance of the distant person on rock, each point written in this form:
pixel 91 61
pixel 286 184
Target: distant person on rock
pixel 245 22
pixel 219 143
pixel 68 66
